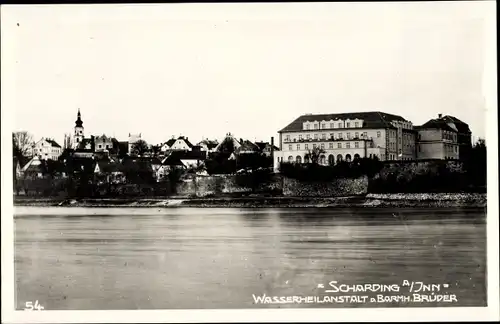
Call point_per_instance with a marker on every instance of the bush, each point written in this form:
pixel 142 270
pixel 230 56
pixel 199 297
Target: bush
pixel 315 172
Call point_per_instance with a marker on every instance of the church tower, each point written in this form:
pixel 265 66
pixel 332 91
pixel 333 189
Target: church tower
pixel 78 130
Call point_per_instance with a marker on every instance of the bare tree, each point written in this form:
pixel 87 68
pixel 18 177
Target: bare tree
pixel 314 155
pixel 140 147
pixel 21 143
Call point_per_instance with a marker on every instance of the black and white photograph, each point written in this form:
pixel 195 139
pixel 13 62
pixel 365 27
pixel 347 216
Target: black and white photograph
pixel 236 162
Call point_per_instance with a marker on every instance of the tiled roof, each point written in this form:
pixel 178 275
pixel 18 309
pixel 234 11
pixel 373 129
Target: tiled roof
pixel 373 119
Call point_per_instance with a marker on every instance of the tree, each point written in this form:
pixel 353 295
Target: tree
pixel 21 144
pixel 140 147
pixel 227 146
pixel 314 155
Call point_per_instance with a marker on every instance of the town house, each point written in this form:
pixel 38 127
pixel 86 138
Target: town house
pixel 346 136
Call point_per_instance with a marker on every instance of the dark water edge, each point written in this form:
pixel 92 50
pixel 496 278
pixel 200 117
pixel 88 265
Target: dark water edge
pixel 384 201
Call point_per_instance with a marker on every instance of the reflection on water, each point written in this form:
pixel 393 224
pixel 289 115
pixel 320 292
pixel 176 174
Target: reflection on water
pixel 146 258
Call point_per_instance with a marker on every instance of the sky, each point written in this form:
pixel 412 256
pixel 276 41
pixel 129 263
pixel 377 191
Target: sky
pixel 250 69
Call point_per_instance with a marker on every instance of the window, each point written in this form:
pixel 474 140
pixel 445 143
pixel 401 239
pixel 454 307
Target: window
pixel 288 137
pixel 340 125
pixel 290 148
pixel 298 147
pixel 348 145
pixel 307 126
pixel 315 136
pixel 322 146
pixel 315 126
pixel 355 124
pixel 314 146
pixel 419 148
pixel 348 135
pixel 331 145
pixel 331 135
pixel 365 134
pixel 348 124
pixel 378 133
pixel 300 137
pixel 308 136
pixel 356 144
pixel 323 136
pixel 339 145
pixel 307 146
pixel 331 125
pixel 340 135
pixel 323 126
pixel 456 149
pixel 356 135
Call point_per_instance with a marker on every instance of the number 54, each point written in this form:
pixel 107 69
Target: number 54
pixel 29 306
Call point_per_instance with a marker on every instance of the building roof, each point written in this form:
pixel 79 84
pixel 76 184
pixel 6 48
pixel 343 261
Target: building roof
pixel 373 119
pixel 437 124
pixel 210 144
pixel 266 145
pixel 185 139
pixel 461 126
pixel 172 160
pixel 79 122
pixel 228 139
pixel 52 142
pixel 34 165
pixel 85 142
pixel 103 137
pixel 108 167
pixel 247 146
pixel 185 155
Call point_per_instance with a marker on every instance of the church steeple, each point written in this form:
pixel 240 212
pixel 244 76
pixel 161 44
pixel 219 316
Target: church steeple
pixel 79 122
pixel 78 131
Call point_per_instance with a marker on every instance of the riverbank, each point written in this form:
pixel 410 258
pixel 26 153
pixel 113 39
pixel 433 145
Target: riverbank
pixel 439 200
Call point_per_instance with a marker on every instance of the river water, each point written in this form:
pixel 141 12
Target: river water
pixel 184 258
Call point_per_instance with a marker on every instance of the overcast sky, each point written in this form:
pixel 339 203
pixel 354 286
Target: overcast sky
pixel 250 69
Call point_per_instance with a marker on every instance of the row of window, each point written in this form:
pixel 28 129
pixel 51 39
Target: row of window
pixel 334 125
pixel 449 136
pixel 298 147
pixel 332 135
pixel 451 148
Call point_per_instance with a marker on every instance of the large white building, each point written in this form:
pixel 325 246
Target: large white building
pixel 47 149
pixel 347 136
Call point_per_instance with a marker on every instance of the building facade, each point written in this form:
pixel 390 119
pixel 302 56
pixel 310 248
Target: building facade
pixel 344 137
pixel 103 143
pixel 438 139
pixel 47 149
pixel 132 139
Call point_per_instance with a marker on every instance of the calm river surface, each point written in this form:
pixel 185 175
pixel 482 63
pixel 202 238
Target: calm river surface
pixel 150 258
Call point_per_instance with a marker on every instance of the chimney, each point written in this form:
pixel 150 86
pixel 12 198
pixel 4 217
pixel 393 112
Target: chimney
pixel 440 115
